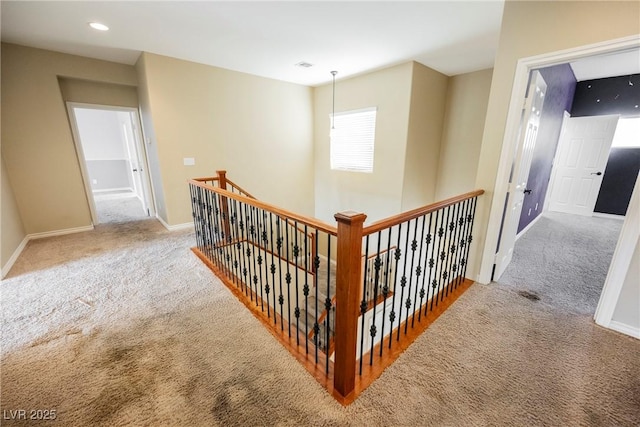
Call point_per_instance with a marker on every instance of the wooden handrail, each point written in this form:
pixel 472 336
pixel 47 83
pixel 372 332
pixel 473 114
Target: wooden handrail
pixel 206 178
pixel 240 189
pixel 317 224
pixel 418 212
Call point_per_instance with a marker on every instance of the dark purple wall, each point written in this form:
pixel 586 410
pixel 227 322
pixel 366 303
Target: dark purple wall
pixel 613 95
pixel 561 86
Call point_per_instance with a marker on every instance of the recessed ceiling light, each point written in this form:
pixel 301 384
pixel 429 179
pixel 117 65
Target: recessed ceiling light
pixel 98 26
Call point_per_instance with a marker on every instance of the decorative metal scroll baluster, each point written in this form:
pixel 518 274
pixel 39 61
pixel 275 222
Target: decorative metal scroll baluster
pixel 279 247
pixel 272 269
pixel 231 242
pixel 305 289
pixel 296 253
pixel 453 248
pixel 239 229
pixel 245 226
pixel 425 276
pixel 385 288
pixel 287 277
pixel 432 264
pixel 461 241
pixel 363 302
pixel 403 279
pixel 377 265
pixel 438 265
pixel 470 236
pixel 392 315
pixel 464 244
pixel 446 277
pixel 259 259
pixel 327 304
pixel 416 307
pixel 316 326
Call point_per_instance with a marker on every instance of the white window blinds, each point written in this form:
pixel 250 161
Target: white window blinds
pixel 352 140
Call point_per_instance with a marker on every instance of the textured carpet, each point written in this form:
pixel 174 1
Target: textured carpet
pixel 119 209
pixel 124 326
pixel 563 260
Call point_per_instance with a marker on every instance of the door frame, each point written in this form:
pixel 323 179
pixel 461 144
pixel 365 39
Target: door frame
pixel 82 161
pixel 521 78
pixel 521 166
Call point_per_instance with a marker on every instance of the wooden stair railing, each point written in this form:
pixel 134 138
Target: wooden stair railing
pixel 392 277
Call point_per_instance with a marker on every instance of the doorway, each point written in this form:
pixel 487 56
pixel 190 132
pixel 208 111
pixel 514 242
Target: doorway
pixel 113 162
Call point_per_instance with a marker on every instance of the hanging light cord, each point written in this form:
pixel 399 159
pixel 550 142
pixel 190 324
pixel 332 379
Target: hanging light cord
pixel 333 107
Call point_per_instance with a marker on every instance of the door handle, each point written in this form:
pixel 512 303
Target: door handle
pixel 596 173
pixel 527 191
pixel 135 170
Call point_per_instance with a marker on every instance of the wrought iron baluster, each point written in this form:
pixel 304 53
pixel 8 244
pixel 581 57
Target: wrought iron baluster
pixel 258 258
pixel 385 288
pixel 403 279
pixel 443 256
pixel 327 304
pixel 414 247
pixel 470 236
pixel 425 276
pixel 462 239
pixel 450 244
pixel 264 236
pixel 279 247
pixel 247 272
pixel 377 264
pixel 296 253
pixel 305 289
pixel 363 302
pixel 423 269
pixel 455 249
pixel 239 227
pixel 419 270
pixel 272 268
pixel 316 327
pixel 436 275
pixel 287 277
pixel 392 314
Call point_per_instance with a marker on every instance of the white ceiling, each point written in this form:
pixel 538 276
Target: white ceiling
pixel 267 38
pixel 611 65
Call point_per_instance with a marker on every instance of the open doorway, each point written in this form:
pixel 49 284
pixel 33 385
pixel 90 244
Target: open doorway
pixel 556 225
pixel 113 162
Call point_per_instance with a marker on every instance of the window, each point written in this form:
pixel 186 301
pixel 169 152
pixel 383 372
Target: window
pixel 627 132
pixel 352 138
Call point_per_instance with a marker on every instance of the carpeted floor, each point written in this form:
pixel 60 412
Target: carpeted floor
pixel 121 208
pixel 124 326
pixel 563 260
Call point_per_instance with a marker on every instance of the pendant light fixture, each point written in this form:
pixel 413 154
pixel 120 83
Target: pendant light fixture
pixel 333 105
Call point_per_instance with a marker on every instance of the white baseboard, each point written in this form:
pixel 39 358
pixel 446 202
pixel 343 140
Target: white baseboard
pixel 611 216
pixel 183 226
pixel 528 227
pixel 34 236
pixel 7 267
pixel 625 329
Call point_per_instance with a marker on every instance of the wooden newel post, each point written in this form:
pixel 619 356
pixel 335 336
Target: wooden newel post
pixel 222 183
pixel 348 283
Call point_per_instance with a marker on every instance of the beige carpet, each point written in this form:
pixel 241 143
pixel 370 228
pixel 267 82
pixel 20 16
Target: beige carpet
pixel 124 326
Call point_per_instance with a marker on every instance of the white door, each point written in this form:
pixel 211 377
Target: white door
pixel 143 180
pixel 520 170
pixel 134 160
pixel 583 151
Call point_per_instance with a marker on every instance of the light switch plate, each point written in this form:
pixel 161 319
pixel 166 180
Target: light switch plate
pixel 189 161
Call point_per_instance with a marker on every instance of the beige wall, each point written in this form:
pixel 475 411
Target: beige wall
pixel 11 228
pixel 258 129
pixel 424 135
pixel 531 28
pixel 378 194
pixel 91 92
pixel 37 144
pixel 466 109
pixel 150 138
